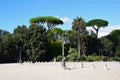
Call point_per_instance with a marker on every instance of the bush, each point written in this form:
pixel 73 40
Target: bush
pixel 116 58
pixel 72 56
pixel 105 58
pixel 83 58
pixel 89 58
pixel 93 58
pixel 96 58
pixel 59 58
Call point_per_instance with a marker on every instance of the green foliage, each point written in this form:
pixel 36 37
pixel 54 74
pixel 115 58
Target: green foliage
pixel 105 58
pixel 37 43
pixel 97 24
pixel 20 36
pixel 54 49
pixel 3 32
pixel 55 34
pixel 8 49
pixel 59 58
pixel 114 36
pixel 115 33
pixel 48 21
pixel 82 58
pixel 93 45
pixel 117 51
pixel 107 46
pixel 72 38
pixel 72 56
pixel 79 26
pixel 116 58
pixel 89 58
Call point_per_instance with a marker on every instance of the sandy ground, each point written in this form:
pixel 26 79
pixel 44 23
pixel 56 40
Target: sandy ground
pixel 54 71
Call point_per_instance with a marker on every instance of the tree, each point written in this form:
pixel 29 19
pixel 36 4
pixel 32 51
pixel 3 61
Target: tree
pixel 72 56
pixel 37 43
pixel 20 36
pixel 96 24
pixel 55 34
pixel 54 49
pixel 83 42
pixel 8 51
pixel 107 47
pixel 47 21
pixel 93 44
pixel 78 25
pixel 3 32
pixel 114 36
pixel 72 39
pixel 54 42
pixel 117 53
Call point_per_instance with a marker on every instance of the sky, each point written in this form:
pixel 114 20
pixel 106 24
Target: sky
pixel 19 12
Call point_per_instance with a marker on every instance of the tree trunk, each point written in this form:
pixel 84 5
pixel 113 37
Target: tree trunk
pixel 78 45
pixel 96 29
pixel 63 55
pixel 96 33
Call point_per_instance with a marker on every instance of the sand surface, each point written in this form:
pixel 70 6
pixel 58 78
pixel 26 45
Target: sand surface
pixel 54 71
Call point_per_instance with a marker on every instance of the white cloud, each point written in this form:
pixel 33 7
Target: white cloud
pixel 105 31
pixel 102 32
pixel 67 22
pixel 66 19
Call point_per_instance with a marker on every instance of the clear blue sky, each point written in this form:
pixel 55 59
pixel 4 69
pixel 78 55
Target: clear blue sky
pixel 18 12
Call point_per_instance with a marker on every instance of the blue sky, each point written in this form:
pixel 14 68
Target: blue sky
pixel 18 12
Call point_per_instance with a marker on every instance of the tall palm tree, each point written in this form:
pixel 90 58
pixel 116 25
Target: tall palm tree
pixel 78 25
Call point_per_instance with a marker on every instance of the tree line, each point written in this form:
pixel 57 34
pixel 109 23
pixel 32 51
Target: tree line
pixel 42 41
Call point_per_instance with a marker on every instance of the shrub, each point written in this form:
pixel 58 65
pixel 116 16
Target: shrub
pixel 72 56
pixel 83 58
pixel 93 58
pixel 117 58
pixel 89 58
pixel 59 58
pixel 105 58
pixel 97 58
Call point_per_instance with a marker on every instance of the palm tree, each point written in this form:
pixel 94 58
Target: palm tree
pixel 78 25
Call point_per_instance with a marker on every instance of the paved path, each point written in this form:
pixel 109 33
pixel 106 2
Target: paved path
pixel 53 71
